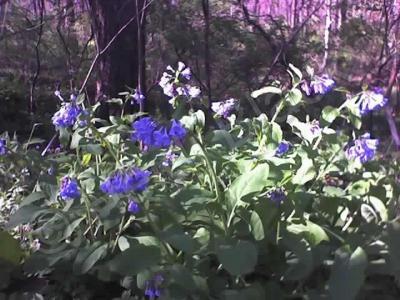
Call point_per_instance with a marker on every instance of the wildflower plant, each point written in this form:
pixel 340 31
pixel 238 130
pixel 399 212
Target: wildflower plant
pixel 245 212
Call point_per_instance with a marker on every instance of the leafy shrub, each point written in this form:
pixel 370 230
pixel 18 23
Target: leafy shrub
pixel 142 208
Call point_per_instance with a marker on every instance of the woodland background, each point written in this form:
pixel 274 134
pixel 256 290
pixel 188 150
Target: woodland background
pixel 103 47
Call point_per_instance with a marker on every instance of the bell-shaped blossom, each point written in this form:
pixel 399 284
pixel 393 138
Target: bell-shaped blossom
pixel 362 149
pixel 372 100
pixel 69 188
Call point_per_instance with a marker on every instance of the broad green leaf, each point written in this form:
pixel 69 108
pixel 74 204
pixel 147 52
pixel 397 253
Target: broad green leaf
pixel 266 90
pixel 248 183
pixel 305 173
pixel 294 97
pixel 264 215
pixel 347 274
pixel 329 114
pixel 302 264
pixel 313 233
pixel 379 207
pixel 93 258
pixel 71 228
pixel 35 196
pixel 10 250
pixel 24 214
pixel 239 258
pixel 295 71
pixel 135 259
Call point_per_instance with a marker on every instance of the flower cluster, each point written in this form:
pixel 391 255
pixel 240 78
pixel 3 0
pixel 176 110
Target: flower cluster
pixel 147 131
pixel 283 147
pixel 225 108
pixel 67 115
pixel 125 181
pixel 69 188
pixel 372 100
pixel 363 149
pixel 152 289
pixel 171 84
pixel 319 85
pixel 277 196
pixel 3 146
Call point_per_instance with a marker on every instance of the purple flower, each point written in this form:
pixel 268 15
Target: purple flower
pixel 3 146
pixel 166 83
pixel 69 188
pixel 277 195
pixel 184 71
pixel 283 147
pixel 314 128
pixel 138 97
pixel 144 129
pixel 224 108
pixel 133 207
pixel 177 131
pixel 121 182
pixel 363 149
pixel 152 288
pixel 66 116
pixel 161 138
pixel 169 158
pixel 319 85
pixel 372 100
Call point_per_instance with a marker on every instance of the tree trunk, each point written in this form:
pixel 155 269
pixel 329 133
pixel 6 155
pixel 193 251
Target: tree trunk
pixel 119 66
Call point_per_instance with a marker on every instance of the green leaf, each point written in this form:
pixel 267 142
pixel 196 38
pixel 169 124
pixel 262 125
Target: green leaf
pixel 264 215
pixel 295 71
pixel 313 233
pixel 10 249
pixel 35 196
pixel 294 97
pixel 305 173
pixel 71 228
pixel 239 258
pixel 329 114
pixel 179 240
pixel 86 159
pixel 347 274
pixel 266 90
pixel 135 259
pixel 248 183
pixel 302 265
pixel 93 258
pixel 24 214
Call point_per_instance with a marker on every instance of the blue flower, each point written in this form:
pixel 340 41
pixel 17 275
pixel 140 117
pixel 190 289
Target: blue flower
pixel 121 182
pixel 133 207
pixel 152 288
pixel 161 138
pixel 372 100
pixel 138 97
pixel 319 85
pixel 67 115
pixel 144 129
pixel 277 195
pixel 363 149
pixel 69 188
pixel 3 146
pixel 283 147
pixel 224 108
pixel 177 131
pixel 169 158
